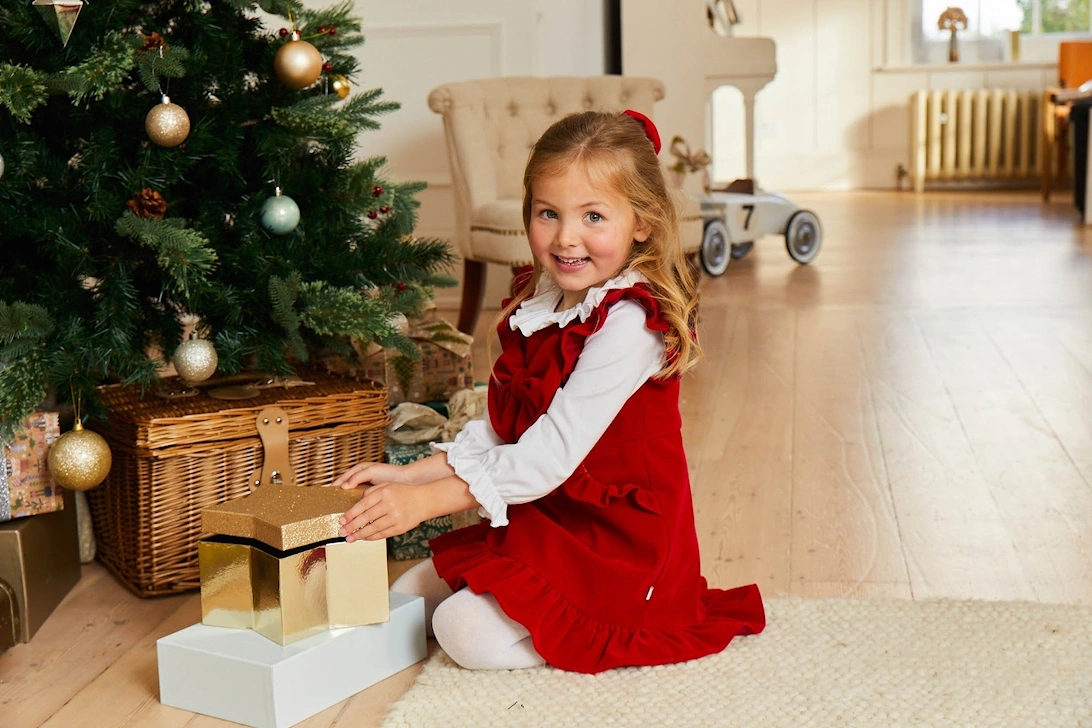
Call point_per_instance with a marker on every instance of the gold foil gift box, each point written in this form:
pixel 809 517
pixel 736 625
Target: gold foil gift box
pixel 275 562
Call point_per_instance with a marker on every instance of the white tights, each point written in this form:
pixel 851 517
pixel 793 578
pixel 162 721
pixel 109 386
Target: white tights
pixel 471 628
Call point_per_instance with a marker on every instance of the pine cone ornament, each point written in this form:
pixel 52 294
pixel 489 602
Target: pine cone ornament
pixel 148 203
pixel 153 41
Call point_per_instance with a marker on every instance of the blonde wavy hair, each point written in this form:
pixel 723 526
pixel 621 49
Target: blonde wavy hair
pixel 615 152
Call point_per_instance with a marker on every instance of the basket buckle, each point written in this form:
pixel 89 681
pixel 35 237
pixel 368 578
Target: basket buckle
pixel 272 425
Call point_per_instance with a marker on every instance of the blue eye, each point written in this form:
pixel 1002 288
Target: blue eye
pixel 594 217
pixel 549 214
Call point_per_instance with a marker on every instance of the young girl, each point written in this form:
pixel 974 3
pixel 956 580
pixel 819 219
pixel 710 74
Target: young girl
pixel 588 557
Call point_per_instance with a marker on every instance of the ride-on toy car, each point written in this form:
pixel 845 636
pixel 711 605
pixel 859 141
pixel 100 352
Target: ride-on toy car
pixel 738 216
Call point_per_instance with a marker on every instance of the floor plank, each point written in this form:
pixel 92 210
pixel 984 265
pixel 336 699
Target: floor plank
pixel 953 534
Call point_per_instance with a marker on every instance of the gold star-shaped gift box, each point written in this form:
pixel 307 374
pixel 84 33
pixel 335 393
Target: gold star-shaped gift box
pixel 277 565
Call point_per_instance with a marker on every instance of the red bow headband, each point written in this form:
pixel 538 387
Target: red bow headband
pixel 649 127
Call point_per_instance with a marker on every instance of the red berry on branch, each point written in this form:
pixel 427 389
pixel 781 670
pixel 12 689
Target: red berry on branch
pixel 401 286
pixel 322 29
pixel 327 67
pixel 385 209
pixel 333 31
pixel 377 191
pixel 283 32
pixel 372 214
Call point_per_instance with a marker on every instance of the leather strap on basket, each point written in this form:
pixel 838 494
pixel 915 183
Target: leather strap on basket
pixel 273 429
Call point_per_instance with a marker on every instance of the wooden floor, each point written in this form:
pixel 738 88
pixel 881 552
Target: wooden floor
pixel 909 417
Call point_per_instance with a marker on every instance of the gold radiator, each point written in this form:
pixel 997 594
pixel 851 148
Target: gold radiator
pixel 985 134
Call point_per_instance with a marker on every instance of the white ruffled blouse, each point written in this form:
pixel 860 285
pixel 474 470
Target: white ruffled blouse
pixel 616 360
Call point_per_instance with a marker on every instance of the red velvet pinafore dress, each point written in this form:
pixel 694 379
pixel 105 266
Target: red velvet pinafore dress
pixel 603 571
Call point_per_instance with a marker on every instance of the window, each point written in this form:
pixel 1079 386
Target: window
pixel 1042 24
pixel 985 18
pixel 1055 16
pixel 991 18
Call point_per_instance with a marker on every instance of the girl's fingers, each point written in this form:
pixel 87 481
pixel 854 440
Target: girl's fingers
pixel 372 531
pixel 351 528
pixel 352 477
pixel 367 509
pixel 354 511
pixel 346 475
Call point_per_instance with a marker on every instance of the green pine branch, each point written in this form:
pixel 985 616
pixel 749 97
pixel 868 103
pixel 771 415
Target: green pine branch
pixel 167 61
pixel 105 67
pixel 184 255
pixel 22 90
pixel 283 293
pixel 318 115
pixel 333 311
pixel 23 327
pixel 22 389
pixel 402 343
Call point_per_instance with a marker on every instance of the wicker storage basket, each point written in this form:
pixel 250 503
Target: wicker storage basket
pixel 173 458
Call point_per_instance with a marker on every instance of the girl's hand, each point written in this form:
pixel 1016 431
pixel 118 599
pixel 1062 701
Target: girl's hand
pixel 370 474
pixel 386 509
pixel 418 472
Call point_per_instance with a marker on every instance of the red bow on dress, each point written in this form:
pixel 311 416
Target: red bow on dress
pixel 650 128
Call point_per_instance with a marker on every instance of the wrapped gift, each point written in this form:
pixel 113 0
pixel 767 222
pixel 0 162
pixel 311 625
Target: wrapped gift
pixel 276 564
pixel 26 487
pixel 444 367
pixel 9 617
pixel 39 563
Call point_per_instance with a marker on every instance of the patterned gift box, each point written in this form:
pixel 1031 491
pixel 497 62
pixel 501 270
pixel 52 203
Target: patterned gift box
pixel 444 368
pixel 26 487
pixel 414 543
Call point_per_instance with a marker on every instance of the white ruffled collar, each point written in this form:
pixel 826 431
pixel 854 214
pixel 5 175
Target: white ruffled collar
pixel 537 312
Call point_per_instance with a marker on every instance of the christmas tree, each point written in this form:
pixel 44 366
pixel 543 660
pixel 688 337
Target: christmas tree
pixel 185 163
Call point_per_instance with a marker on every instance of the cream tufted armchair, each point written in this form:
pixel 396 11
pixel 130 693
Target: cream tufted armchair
pixel 489 127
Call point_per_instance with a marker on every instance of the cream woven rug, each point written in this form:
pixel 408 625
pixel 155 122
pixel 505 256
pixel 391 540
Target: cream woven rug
pixel 819 663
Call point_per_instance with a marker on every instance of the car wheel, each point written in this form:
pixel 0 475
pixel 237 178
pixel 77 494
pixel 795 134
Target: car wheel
pixel 803 236
pixel 715 248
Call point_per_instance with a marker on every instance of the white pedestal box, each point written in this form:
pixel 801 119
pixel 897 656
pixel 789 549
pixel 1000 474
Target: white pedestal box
pixel 239 675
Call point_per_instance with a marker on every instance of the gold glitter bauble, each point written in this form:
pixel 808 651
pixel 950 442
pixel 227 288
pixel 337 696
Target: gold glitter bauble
pixel 298 64
pixel 340 85
pixel 79 459
pixel 167 124
pixel 195 360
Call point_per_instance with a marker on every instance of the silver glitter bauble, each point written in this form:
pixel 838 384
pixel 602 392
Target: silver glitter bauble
pixel 79 459
pixel 195 360
pixel 398 322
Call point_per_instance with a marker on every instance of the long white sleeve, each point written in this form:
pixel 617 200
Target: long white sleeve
pixel 615 362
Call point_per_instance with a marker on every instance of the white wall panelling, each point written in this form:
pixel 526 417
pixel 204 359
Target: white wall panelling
pixel 836 115
pixel 408 62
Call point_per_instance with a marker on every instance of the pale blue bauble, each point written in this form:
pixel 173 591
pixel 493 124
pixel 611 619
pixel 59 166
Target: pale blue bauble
pixel 280 215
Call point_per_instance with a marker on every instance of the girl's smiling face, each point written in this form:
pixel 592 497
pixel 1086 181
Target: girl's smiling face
pixel 580 234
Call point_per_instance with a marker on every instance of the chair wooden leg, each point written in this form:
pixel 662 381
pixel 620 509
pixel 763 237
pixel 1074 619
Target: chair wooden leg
pixel 1048 123
pixel 1063 163
pixel 1046 167
pixel 473 295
